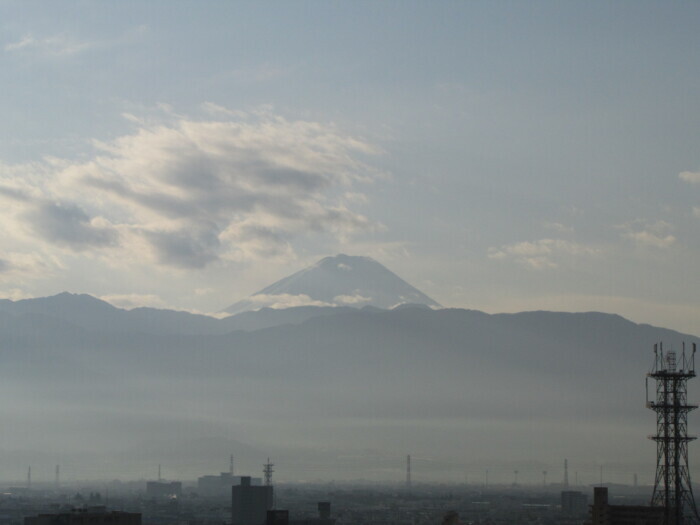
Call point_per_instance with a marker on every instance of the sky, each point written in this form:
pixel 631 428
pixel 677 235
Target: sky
pixel 500 156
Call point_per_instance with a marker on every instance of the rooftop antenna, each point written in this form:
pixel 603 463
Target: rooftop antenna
pixel 566 472
pixel 230 466
pixel 672 487
pixel 267 471
pixel 601 475
pixel 408 473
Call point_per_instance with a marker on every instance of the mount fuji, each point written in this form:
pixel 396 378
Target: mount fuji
pixel 343 280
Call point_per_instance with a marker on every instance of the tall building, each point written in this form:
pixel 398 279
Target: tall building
pixel 249 504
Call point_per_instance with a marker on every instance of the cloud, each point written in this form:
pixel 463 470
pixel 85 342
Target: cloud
pixel 558 227
pixel 56 46
pixel 16 266
pixel 188 193
pixel 279 301
pixel 129 301
pixel 541 254
pixel 653 235
pixel 351 299
pixel 693 177
pixel 68 224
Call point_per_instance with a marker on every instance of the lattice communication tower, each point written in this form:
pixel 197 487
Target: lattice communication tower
pixel 672 487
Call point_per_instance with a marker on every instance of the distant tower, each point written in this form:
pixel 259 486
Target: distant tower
pixel 159 478
pixel 267 471
pixel 408 473
pixel 672 487
pixel 544 478
pixel 58 483
pixel 515 477
pixel 230 466
pixel 29 477
pixel 566 473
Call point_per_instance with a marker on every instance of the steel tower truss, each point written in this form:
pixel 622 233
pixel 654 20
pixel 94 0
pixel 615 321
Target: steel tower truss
pixel 672 487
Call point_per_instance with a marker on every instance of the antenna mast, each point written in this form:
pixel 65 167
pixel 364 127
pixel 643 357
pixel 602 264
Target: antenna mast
pixel 672 487
pixel 267 471
pixel 408 473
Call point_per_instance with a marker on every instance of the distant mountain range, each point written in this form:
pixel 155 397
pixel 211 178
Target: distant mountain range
pixel 341 388
pixel 368 384
pixel 342 280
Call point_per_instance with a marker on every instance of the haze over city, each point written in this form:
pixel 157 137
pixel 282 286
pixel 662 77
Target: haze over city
pixel 410 171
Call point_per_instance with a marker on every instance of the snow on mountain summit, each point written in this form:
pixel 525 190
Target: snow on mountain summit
pixel 343 280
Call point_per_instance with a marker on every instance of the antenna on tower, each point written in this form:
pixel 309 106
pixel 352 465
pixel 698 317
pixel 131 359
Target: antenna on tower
pixel 672 487
pixel 566 472
pixel 267 471
pixel 408 473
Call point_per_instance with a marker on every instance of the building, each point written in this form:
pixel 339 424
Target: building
pixel 249 503
pixel 88 516
pixel 164 489
pixel 574 503
pixel 220 486
pixel 602 513
pixel 281 517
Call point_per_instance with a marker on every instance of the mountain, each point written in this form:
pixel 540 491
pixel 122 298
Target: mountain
pixel 355 387
pixel 95 315
pixel 343 280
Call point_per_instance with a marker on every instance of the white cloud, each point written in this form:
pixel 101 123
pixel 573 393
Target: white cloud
pixel 541 254
pixel 16 266
pixel 189 193
pixel 285 300
pixel 653 235
pixel 692 177
pixel 351 299
pixel 558 227
pixel 56 46
pixel 129 301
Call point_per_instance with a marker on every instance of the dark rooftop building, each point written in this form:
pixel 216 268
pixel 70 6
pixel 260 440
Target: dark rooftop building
pixel 602 513
pixel 249 504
